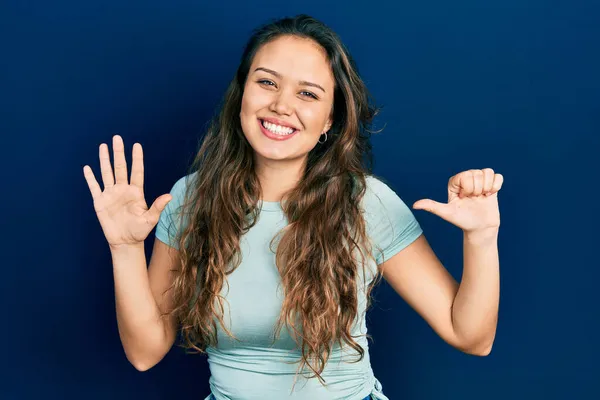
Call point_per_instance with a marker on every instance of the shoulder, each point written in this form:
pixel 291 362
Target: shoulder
pixel 378 193
pixel 376 184
pixel 179 188
pixel 170 223
pixel 391 224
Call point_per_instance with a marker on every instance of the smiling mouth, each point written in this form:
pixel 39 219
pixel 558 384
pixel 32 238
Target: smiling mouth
pixel 278 130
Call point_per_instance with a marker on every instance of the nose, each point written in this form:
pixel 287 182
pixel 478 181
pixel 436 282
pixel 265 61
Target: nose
pixel 281 104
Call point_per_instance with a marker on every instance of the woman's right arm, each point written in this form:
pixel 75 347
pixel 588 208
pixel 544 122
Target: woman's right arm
pixel 141 296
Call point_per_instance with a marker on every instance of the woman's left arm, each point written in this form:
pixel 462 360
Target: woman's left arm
pixel 464 315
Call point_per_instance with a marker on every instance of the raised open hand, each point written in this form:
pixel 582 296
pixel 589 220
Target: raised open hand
pixel 121 208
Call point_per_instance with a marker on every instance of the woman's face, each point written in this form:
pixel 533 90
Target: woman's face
pixel 288 99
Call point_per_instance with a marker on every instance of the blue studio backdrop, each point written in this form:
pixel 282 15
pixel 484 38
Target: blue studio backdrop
pixel 512 85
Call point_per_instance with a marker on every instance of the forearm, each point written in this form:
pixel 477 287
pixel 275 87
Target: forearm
pixel 475 307
pixel 141 329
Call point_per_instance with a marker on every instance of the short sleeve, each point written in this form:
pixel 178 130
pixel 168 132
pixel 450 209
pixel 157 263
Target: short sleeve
pixel 169 225
pixel 391 225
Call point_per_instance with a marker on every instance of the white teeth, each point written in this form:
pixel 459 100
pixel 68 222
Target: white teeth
pixel 277 129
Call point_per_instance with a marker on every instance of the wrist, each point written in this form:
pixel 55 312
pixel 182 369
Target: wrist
pixel 481 236
pixel 126 247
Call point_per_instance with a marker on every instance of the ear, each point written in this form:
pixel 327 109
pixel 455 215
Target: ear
pixel 328 125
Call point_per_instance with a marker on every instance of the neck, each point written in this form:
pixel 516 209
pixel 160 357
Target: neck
pixel 278 177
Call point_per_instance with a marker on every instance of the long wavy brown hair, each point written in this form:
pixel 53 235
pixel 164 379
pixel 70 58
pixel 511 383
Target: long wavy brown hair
pixel 316 252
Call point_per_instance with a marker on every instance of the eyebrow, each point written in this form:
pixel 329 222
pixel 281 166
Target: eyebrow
pixel 277 74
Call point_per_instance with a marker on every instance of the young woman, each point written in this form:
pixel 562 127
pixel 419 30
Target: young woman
pixel 269 247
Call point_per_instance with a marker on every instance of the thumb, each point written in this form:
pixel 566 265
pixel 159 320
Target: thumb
pixel 432 206
pixel 159 205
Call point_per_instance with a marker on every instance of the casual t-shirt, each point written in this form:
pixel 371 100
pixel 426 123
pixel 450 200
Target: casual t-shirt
pixel 256 367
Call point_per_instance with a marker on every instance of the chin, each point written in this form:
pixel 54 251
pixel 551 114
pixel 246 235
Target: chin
pixel 269 150
pixel 275 154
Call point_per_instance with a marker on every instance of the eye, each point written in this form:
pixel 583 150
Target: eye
pixel 266 82
pixel 309 94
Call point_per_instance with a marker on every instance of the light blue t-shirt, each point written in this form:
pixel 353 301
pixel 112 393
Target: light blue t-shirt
pixel 257 368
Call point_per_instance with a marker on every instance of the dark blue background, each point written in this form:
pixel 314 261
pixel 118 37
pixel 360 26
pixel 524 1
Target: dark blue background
pixel 511 85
